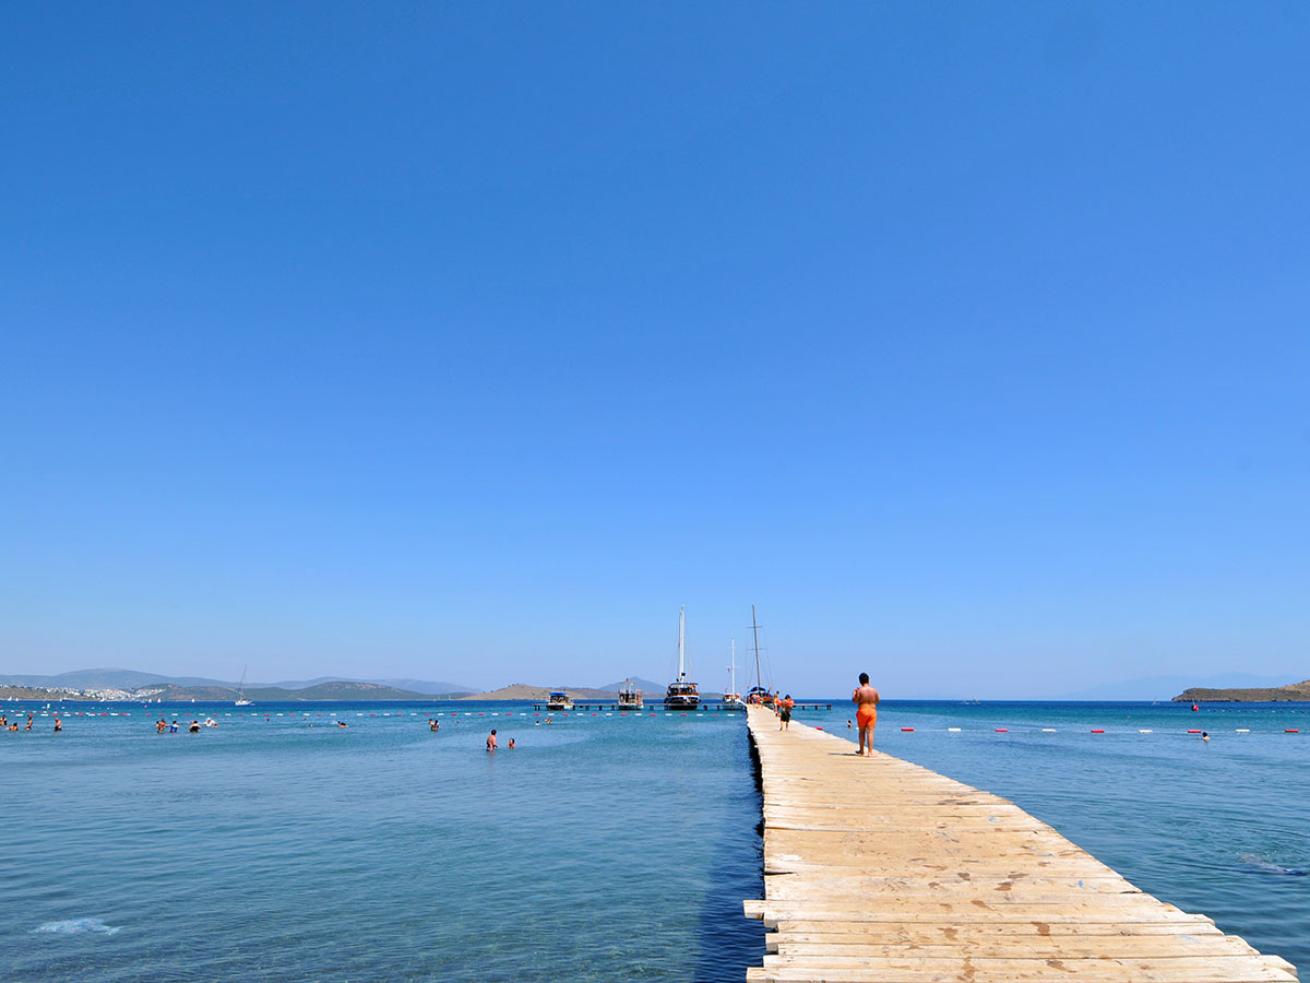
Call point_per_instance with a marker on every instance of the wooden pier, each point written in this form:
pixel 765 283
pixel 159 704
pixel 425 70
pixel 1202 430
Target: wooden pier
pixel 876 869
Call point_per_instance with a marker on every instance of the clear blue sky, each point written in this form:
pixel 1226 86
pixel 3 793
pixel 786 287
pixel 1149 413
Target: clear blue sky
pixel 467 341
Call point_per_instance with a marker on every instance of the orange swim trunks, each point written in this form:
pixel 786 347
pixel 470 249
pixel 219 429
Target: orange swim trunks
pixel 866 716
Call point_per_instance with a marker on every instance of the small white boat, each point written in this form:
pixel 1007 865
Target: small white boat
pixel 241 700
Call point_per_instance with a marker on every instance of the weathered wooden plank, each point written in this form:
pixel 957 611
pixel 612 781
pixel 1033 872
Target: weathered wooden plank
pixel 878 869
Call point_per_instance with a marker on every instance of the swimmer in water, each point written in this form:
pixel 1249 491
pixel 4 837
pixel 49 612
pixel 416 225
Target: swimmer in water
pixel 511 744
pixel 1205 737
pixel 848 725
pixel 491 740
pixel 866 699
pixel 194 728
pixel 59 725
pixel 432 724
pixel 342 723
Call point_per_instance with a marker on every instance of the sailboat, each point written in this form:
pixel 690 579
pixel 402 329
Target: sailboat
pixel 758 693
pixel 241 700
pixel 732 699
pixel 682 694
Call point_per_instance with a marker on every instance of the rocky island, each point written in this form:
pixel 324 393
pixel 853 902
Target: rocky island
pixel 1292 692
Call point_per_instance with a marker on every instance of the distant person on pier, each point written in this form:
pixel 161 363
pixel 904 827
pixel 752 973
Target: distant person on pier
pixel 491 740
pixel 784 712
pixel 866 700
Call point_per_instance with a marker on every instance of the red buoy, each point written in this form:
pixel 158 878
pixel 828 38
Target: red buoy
pixel 1098 730
pixel 1002 730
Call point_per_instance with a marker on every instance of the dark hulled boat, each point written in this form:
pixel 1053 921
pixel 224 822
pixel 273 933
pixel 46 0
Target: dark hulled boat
pixel 682 693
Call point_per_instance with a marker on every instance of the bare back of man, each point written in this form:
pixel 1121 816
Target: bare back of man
pixel 866 700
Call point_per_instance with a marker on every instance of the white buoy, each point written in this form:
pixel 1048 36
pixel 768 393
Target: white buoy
pixel 1048 730
pixel 953 730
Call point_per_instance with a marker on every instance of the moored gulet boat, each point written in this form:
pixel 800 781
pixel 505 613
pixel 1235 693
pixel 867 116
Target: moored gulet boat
pixel 682 694
pixel 630 697
pixel 731 698
pixel 559 700
pixel 758 693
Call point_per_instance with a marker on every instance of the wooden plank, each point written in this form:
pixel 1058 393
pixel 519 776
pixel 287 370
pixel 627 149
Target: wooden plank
pixel 878 869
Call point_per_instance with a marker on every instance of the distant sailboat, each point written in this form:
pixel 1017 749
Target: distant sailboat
pixel 682 694
pixel 241 700
pixel 732 699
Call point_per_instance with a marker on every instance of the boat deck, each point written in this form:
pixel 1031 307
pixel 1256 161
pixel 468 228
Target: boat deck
pixel 879 869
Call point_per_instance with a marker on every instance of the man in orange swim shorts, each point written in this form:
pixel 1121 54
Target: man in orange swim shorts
pixel 866 700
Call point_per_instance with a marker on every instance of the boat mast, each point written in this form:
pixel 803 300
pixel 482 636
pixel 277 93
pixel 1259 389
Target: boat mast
pixel 755 627
pixel 732 668
pixel 682 640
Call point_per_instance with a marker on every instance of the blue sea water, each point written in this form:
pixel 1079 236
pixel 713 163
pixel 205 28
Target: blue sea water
pixel 604 847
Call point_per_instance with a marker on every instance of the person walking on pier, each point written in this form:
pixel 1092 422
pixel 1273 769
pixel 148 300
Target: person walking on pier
pixel 866 700
pixel 784 712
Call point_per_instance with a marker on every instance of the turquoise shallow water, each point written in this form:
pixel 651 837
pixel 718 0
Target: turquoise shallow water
pixel 603 848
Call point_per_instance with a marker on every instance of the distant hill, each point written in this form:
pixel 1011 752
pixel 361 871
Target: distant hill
pixel 1159 687
pixel 277 694
pixel 128 679
pixel 1292 692
pixel 8 692
pixel 202 688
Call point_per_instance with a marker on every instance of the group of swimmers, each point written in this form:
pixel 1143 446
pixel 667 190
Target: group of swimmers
pixel 492 743
pixel 171 727
pixel 11 726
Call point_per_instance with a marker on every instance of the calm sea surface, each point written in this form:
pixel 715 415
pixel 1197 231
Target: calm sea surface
pixel 605 847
